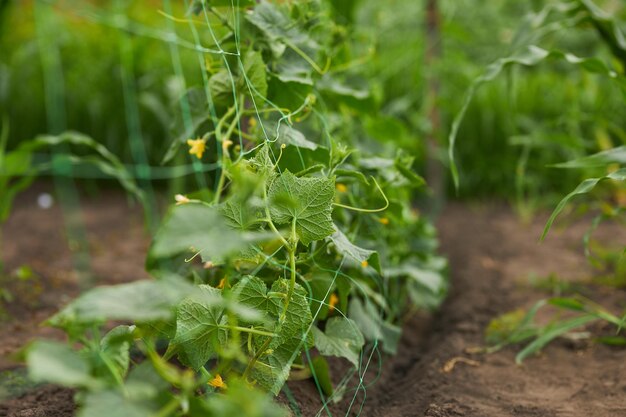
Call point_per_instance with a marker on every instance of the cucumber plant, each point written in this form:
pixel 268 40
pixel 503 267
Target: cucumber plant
pixel 304 246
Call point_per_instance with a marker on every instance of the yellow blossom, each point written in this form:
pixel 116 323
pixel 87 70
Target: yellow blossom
pixel 226 144
pixel 197 147
pixel 218 382
pixel 341 188
pixel 222 284
pixel 384 220
pixel 252 122
pixel 181 199
pixel 364 264
pixel 332 301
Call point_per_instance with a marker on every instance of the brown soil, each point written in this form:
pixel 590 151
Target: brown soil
pixel 491 254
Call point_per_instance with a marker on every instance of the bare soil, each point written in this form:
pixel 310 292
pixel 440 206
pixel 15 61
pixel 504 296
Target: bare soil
pixel 492 254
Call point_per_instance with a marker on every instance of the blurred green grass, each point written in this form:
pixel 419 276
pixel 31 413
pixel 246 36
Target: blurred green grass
pixel 515 127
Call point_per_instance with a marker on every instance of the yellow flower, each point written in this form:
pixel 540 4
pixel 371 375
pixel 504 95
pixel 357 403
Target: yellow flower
pixel 364 264
pixel 218 382
pixel 341 188
pixel 252 122
pixel 332 301
pixel 226 144
pixel 222 284
pixel 197 147
pixel 181 199
pixel 384 220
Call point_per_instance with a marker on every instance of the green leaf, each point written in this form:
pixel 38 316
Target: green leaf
pixel 145 382
pixel 243 400
pixel 403 165
pixel 272 369
pixel 567 303
pixel 432 280
pixel 305 201
pixel 251 292
pixel 279 29
pixel 58 364
pixel 113 403
pixel 552 333
pixel 342 88
pixel 391 337
pixel 531 56
pixel 583 188
pixel 344 247
pixel 239 215
pixel 222 87
pixel 113 356
pixel 342 338
pixel 136 301
pixel 263 163
pixel 103 159
pixel 255 75
pixel 367 318
pixel 199 227
pixel 291 68
pixel 284 134
pixel 199 334
pixel 601 159
pixel 321 372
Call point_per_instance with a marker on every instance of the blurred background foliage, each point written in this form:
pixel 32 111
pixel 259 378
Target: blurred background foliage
pixel 515 127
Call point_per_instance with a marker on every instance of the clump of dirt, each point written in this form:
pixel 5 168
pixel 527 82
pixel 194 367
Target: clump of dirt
pixel 435 374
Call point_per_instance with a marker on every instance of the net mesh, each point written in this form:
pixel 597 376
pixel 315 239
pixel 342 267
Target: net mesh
pixel 181 35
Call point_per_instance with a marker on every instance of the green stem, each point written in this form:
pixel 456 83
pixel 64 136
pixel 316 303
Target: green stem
pixel 256 358
pixel 362 210
pixel 292 266
pixel 269 221
pixel 220 139
pixel 247 330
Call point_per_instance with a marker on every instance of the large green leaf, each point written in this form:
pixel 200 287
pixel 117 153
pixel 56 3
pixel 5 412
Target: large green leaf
pixel 58 364
pixel 239 215
pixel 343 246
pixel 222 87
pixel 367 318
pixel 243 400
pixel 305 201
pixel 272 369
pixel 199 328
pixel 601 159
pixel 113 403
pixel 113 357
pixel 287 135
pixel 342 338
pixel 583 188
pixel 252 292
pixel 137 301
pixel 197 227
pixel 255 78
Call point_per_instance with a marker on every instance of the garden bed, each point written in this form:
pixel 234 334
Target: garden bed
pixel 492 255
